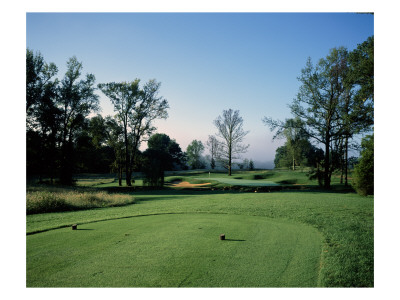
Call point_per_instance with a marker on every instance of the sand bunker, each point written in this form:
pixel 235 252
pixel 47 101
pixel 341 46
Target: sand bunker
pixel 185 184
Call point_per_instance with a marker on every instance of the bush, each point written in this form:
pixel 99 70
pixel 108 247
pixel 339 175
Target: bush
pixel 364 171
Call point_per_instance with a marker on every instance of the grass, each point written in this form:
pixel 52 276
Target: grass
pixel 344 220
pixel 41 199
pixel 177 250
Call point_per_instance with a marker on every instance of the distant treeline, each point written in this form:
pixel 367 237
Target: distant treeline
pixel 335 104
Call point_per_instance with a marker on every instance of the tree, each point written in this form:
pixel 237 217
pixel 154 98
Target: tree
pixel 357 105
pixel 212 145
pixel 38 76
pixel 193 152
pixel 115 139
pixel 136 110
pixel 230 129
pixel 174 157
pixel 251 165
pixel 76 100
pixel 97 130
pixel 282 158
pixel 335 103
pixel 153 167
pixel 361 72
pixel 317 103
pixel 42 116
pixel 161 155
pixel 364 170
pixel 124 97
pixel 93 154
pixel 318 100
pixel 296 139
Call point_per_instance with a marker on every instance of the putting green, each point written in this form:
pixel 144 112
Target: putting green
pixel 173 250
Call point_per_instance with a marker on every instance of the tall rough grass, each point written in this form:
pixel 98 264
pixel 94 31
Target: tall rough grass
pixel 58 200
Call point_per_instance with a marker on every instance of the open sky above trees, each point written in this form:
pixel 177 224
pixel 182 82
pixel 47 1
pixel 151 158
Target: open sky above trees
pixel 205 62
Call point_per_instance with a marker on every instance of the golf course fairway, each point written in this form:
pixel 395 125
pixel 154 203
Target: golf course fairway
pixel 177 250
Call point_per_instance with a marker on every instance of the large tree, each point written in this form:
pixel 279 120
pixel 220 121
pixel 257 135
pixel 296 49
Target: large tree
pixel 357 105
pixel 317 103
pixel 124 96
pixel 136 110
pixel 230 130
pixel 76 100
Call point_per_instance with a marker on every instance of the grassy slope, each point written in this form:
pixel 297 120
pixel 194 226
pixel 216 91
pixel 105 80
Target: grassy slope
pixel 345 220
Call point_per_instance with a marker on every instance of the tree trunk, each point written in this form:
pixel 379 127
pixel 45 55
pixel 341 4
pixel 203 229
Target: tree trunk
pixel 327 182
pixel 341 168
pixel 346 160
pixel 66 164
pixel 127 161
pixel 119 175
pixel 230 161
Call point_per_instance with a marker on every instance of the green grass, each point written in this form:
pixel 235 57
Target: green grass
pixel 345 221
pixel 176 250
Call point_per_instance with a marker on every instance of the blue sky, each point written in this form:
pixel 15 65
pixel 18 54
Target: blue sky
pixel 206 62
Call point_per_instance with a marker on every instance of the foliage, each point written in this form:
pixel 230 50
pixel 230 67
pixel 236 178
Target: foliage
pixel 76 100
pixel 42 116
pixel 161 155
pixel 193 153
pixel 56 110
pixel 38 79
pixel 364 170
pixel 154 167
pixel 361 71
pixel 174 158
pixel 307 156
